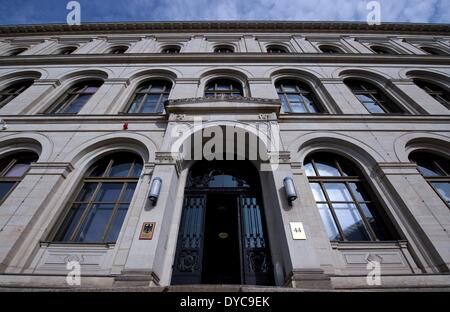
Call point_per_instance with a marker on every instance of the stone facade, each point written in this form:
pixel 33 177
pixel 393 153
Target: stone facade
pixel 379 144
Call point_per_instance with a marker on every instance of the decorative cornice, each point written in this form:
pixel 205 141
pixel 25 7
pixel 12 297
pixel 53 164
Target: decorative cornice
pixel 228 98
pixel 226 26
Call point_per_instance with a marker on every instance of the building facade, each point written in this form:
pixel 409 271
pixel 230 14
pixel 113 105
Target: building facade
pixel 354 119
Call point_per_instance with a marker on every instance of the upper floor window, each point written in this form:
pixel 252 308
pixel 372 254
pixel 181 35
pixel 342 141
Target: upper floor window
pixel 66 50
pixel 223 87
pixel 9 93
pixel 224 49
pixel 97 212
pixel 276 49
pixel 171 50
pixel 433 51
pixel 348 207
pixel 297 97
pixel 12 170
pixel 437 92
pixel 329 49
pixel 118 50
pixel 15 52
pixel 375 100
pixel 76 97
pixel 383 50
pixel 436 170
pixel 149 97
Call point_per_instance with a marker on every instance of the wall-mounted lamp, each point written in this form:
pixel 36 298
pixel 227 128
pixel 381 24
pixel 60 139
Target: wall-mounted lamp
pixel 155 188
pixel 289 187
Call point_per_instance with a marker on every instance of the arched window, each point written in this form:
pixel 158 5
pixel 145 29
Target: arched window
pixel 65 50
pixel 348 208
pixel 224 49
pixel 276 49
pixel 97 212
pixel 149 97
pixel 382 50
pixel 12 170
pixel 171 50
pixel 17 51
pixel 328 49
pixel 223 87
pixel 433 51
pixel 118 50
pixel 436 170
pixel 9 93
pixel 297 97
pixel 437 92
pixel 375 100
pixel 76 97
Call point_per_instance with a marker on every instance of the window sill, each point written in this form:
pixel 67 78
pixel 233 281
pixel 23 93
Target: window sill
pixel 74 244
pixel 363 245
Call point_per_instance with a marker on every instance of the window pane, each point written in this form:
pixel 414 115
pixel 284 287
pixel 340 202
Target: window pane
pixel 109 192
pixel 327 168
pixel 86 192
pixel 128 193
pixel 116 224
pixel 90 90
pixel 444 189
pixel 328 221
pixel 428 170
pixel 309 170
pixel 317 192
pixel 289 88
pixel 5 187
pixel 150 103
pixel 76 105
pixel 120 168
pixel 337 192
pixel 136 102
pixel 373 107
pixel 298 107
pixel 351 223
pixel 71 222
pixel 284 104
pixel 380 231
pixel 358 191
pixel 136 169
pixel 95 223
pixel 17 170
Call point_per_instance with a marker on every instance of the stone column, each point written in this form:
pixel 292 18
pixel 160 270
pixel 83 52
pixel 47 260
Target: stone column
pixel 147 258
pixel 304 270
pixel 423 102
pixel 422 212
pixel 19 234
pixel 105 100
pixel 305 45
pixel 347 103
pixel 27 102
pixel 251 43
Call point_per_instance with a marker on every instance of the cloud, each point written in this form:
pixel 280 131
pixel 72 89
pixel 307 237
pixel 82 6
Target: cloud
pixel 44 11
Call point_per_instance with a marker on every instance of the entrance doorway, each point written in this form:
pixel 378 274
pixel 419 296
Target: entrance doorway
pixel 222 237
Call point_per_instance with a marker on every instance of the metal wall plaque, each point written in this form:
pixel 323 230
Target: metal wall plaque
pixel 147 230
pixel 298 232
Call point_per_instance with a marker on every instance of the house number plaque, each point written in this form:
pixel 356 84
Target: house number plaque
pixel 298 232
pixel 147 230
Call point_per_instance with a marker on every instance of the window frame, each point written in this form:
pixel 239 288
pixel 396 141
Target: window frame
pixel 19 88
pixel 439 96
pixel 301 93
pixel 224 49
pixel 146 92
pixel 71 94
pixel 232 92
pixel 271 48
pixel 64 223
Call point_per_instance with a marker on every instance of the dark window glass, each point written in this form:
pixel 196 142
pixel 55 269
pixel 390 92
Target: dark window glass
pixel 149 97
pixel 75 98
pixel 223 87
pixel 436 170
pixel 346 205
pixel 12 170
pixel 297 97
pixel 373 99
pixel 66 50
pixel 330 50
pixel 15 52
pixel 171 50
pixel 118 50
pixel 382 50
pixel 97 213
pixel 224 49
pixel 11 92
pixel 437 92
pixel 276 49
pixel 433 51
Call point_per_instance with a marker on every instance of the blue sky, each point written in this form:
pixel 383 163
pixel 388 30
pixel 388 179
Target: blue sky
pixel 54 11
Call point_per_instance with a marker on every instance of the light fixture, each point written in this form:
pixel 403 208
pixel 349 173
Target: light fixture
pixel 289 187
pixel 155 188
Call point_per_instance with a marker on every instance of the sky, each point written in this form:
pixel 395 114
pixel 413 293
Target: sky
pixel 54 11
